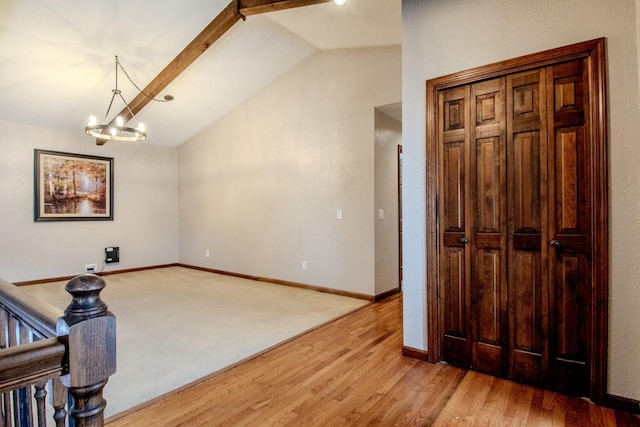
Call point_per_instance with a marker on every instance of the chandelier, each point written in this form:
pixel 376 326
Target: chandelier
pixel 115 130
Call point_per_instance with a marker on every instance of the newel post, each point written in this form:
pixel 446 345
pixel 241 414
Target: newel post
pixel 91 329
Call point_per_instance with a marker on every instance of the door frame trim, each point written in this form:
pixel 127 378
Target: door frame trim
pixel 595 51
pixel 400 224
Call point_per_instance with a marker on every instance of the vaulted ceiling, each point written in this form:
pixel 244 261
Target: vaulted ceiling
pixel 57 56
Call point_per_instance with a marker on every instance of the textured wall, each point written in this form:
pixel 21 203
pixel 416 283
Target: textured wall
pixel 444 36
pixel 145 224
pixel 260 189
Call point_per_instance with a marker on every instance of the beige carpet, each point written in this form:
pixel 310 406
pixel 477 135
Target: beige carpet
pixel 176 325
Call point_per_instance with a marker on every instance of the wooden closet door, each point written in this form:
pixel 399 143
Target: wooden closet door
pixel 571 210
pixel 473 218
pixel 517 228
pixel 515 225
pixel 528 217
pixel 488 227
pixel 453 142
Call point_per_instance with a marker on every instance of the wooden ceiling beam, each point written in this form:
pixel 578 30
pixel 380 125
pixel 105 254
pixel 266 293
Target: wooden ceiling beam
pixel 212 32
pixel 236 10
pixel 255 7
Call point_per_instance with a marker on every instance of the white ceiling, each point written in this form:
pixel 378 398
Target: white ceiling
pixel 57 56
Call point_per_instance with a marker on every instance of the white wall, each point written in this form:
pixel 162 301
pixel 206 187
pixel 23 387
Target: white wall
pixel 387 263
pixel 145 224
pixel 441 37
pixel 260 189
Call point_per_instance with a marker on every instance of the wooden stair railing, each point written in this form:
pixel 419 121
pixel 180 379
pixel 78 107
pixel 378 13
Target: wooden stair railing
pixel 73 351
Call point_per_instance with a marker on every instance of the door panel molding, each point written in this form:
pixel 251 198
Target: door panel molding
pixel 593 53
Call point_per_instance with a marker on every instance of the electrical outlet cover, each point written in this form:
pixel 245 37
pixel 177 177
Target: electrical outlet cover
pixel 112 254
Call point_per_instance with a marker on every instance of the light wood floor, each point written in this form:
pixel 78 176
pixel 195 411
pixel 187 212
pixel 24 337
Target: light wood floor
pixel 352 373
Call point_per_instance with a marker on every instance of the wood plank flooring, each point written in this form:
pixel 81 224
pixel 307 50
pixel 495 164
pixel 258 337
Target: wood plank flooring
pixel 351 373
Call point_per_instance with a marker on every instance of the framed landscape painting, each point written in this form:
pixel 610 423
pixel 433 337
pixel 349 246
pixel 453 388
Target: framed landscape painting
pixel 72 187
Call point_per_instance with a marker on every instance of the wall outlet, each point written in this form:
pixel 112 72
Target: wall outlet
pixel 206 253
pixel 90 268
pixel 304 265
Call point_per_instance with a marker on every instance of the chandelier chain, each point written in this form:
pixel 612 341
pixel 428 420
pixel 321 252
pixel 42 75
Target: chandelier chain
pixel 136 86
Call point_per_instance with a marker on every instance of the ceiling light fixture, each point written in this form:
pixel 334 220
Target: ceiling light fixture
pixel 115 130
pixel 339 2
